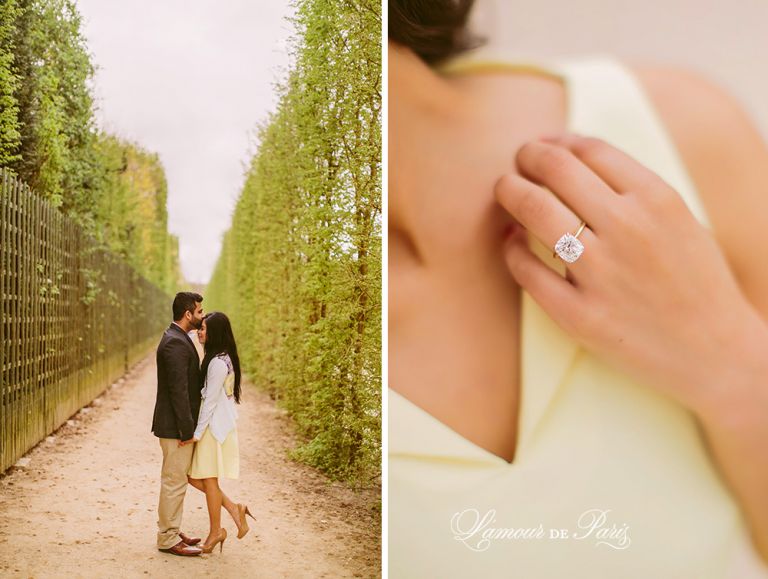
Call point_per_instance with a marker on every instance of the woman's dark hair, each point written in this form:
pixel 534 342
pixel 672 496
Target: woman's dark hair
pixel 434 29
pixel 219 339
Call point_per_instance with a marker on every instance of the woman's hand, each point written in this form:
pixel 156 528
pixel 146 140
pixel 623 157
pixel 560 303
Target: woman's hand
pixel 652 292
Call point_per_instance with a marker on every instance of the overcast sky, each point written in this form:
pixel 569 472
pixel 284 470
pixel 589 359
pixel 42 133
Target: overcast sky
pixel 189 80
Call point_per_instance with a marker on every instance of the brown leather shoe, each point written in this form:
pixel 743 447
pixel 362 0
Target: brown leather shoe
pixel 189 540
pixel 181 548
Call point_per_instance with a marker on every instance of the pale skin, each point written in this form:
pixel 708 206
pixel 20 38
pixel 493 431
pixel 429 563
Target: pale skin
pixel 703 295
pixel 214 496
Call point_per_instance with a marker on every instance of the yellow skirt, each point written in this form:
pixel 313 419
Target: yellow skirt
pixel 212 459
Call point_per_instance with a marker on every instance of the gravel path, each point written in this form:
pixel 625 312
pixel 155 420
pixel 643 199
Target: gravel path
pixel 86 504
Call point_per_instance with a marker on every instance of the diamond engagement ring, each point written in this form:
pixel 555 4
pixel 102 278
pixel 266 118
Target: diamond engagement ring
pixel 568 247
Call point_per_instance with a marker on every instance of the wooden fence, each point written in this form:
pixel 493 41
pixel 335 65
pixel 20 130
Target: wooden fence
pixel 74 318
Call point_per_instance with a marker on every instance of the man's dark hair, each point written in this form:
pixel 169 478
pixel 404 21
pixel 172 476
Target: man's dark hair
pixel 184 302
pixel 434 29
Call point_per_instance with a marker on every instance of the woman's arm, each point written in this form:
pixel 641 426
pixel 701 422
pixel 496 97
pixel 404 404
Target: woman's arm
pixel 736 428
pixel 728 161
pixel 217 372
pixel 653 294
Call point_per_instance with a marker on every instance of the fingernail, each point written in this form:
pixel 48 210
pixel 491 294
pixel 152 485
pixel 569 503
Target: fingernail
pixel 514 235
pixel 551 138
pixel 560 137
pixel 511 229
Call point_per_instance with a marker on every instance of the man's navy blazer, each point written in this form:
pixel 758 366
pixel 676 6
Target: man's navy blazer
pixel 178 386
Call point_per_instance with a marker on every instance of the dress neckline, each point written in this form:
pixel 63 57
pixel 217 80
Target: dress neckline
pixel 546 352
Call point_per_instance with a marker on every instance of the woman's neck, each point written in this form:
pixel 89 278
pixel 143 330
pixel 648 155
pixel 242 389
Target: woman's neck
pixel 431 122
pixel 453 117
pixel 452 136
pixel 417 90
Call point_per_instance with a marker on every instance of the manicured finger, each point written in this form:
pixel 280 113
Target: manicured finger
pixel 555 294
pixel 540 212
pixel 616 168
pixel 576 184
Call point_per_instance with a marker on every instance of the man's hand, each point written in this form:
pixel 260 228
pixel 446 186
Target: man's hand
pixel 185 442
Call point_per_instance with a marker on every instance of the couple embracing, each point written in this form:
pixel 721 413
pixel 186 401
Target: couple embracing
pixel 195 420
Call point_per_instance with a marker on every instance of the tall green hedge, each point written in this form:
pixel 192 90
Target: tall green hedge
pixel 300 267
pixel 9 83
pixel 52 67
pixel 132 211
pixel 48 138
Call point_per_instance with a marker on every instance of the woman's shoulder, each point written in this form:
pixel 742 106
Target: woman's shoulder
pixel 218 362
pixel 221 361
pixel 725 155
pixel 692 104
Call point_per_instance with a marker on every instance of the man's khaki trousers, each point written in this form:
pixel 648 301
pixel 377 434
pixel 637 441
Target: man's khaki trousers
pixel 173 486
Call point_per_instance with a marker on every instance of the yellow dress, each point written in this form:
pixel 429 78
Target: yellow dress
pixel 214 459
pixel 611 479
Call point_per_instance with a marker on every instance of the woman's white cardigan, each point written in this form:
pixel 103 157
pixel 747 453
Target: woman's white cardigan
pixel 217 410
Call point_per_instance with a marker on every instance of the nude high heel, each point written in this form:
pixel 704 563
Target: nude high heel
pixel 242 511
pixel 220 541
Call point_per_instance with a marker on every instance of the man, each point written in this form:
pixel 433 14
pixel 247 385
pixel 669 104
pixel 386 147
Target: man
pixel 175 418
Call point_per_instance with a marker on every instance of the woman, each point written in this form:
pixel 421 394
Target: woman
pixel 216 451
pixel 602 414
